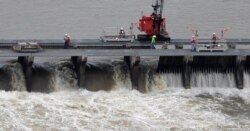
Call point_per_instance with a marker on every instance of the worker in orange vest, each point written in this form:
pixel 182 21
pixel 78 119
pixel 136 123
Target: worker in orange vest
pixel 66 41
pixel 214 38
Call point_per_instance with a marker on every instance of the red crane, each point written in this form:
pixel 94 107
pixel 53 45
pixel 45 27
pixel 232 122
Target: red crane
pixel 153 24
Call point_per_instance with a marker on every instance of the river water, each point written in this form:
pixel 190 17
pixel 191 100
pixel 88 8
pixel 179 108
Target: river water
pixel 56 103
pixel 86 19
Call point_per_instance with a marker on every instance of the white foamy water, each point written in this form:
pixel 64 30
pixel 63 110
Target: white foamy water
pixel 213 79
pixel 167 106
pixel 172 79
pixel 171 109
pixel 246 80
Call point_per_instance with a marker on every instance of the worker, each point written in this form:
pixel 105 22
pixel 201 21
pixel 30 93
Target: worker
pixel 214 38
pixel 66 41
pixel 153 41
pixel 193 43
pixel 122 32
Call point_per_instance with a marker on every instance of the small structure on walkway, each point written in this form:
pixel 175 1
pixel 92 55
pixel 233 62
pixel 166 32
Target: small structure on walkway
pixel 115 35
pixel 27 47
pixel 220 46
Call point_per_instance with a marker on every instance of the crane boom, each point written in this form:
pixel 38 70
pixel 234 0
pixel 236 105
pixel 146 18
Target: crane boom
pixel 158 7
pixel 161 8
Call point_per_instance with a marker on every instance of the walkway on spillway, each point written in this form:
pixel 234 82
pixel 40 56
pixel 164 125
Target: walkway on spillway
pixel 97 43
pixel 123 52
pixel 95 47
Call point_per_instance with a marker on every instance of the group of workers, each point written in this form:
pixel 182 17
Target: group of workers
pixel 153 40
pixel 194 40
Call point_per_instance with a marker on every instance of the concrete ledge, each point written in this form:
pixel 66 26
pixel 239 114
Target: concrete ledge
pixel 122 52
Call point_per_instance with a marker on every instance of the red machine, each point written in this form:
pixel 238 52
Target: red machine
pixel 153 24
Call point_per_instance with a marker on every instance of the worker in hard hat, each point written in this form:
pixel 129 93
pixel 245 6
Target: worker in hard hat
pixel 193 43
pixel 122 32
pixel 214 38
pixel 66 41
pixel 153 41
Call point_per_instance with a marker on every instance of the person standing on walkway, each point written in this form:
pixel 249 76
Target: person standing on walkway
pixel 153 41
pixel 214 38
pixel 66 41
pixel 122 32
pixel 193 43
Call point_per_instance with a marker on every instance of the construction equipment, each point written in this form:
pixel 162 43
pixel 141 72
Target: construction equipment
pixel 117 36
pixel 27 47
pixel 220 47
pixel 153 24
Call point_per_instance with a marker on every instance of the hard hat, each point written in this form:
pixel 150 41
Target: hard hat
pixel 66 34
pixel 121 28
pixel 154 36
pixel 213 33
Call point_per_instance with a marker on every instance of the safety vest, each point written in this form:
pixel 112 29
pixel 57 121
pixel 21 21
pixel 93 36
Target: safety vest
pixel 67 39
pixel 153 40
pixel 214 38
pixel 193 41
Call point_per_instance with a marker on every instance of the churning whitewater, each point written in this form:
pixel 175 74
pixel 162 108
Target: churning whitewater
pixel 56 103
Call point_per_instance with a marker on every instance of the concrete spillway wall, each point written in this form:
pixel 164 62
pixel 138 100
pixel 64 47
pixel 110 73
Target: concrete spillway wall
pixel 185 65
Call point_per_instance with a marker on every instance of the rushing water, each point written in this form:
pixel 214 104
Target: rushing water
pixel 213 103
pixel 56 103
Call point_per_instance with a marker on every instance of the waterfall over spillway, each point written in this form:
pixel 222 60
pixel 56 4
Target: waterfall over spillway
pixel 160 98
pixel 12 77
pixel 109 75
pixel 213 79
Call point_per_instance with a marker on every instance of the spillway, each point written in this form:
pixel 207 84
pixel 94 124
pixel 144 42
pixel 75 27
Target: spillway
pixel 194 69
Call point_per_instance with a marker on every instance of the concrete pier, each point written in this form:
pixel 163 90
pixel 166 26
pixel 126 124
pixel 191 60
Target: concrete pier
pixel 79 63
pixel 239 72
pixel 27 63
pixel 186 73
pixel 133 63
